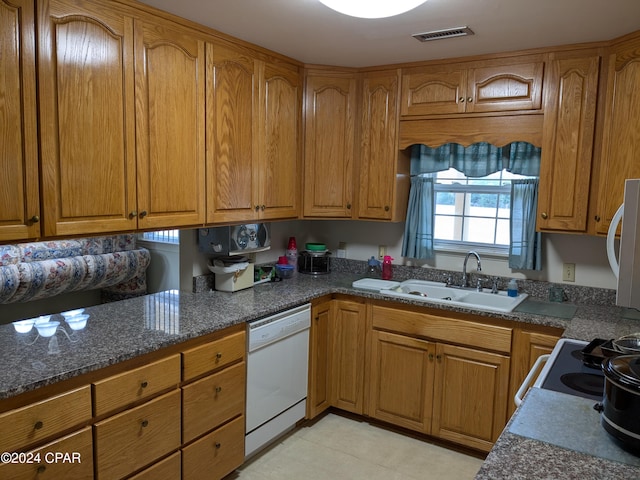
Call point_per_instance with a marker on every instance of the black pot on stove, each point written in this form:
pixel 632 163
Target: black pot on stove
pixel 621 402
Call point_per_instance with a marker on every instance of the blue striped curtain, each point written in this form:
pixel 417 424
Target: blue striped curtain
pixel 477 160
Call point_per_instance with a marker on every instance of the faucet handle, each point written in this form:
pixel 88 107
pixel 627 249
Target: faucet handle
pixel 480 283
pixel 494 284
pixel 448 280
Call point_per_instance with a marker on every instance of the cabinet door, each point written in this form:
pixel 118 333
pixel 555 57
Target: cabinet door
pixel 401 380
pixel 470 396
pixel 19 197
pixel 434 90
pixel 279 162
pixel 621 134
pixel 505 85
pixel 86 84
pixel 330 106
pixel 569 123
pixel 348 331
pixel 319 394
pixel 384 175
pixel 170 115
pixel 232 93
pixel 528 345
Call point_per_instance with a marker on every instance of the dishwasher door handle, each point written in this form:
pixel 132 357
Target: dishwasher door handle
pixel 540 361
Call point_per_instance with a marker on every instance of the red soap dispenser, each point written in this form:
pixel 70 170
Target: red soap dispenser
pixel 387 268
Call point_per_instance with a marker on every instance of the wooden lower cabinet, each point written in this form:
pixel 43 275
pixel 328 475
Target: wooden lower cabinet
pixel 216 454
pixel 319 389
pixel 528 344
pixel 167 469
pixel 401 380
pixel 76 464
pixel 212 400
pixel 469 396
pixel 137 437
pixel 348 354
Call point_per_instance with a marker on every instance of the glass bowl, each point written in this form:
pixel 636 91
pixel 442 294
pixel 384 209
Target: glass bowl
pixel 24 326
pixel 284 271
pixel 73 313
pixel 42 319
pixel 47 329
pixel 77 322
pixel 629 344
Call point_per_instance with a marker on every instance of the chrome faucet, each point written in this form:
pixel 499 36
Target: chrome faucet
pixel 465 280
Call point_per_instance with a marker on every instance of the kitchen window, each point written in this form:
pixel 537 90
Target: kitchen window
pixel 472 213
pixel 162 236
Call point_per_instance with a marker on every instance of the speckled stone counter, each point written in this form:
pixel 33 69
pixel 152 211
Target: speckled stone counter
pixel 123 330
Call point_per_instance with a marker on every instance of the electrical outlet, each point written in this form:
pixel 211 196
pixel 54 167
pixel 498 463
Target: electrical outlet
pixel 568 272
pixel 382 251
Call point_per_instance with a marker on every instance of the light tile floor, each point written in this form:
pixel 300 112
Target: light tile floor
pixel 338 448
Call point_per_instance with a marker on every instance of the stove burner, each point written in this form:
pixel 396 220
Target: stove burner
pixel 577 354
pixel 588 383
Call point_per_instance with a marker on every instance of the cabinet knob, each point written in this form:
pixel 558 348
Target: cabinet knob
pixel 348 206
pixel 38 425
pixel 144 384
pixel 144 423
pixel 461 99
pixel 41 469
pixel 597 218
pixel 470 99
pixel 257 208
pixel 133 214
pixel 218 355
pixel 218 389
pixel 386 208
pixel 544 215
pixel 431 356
pixel 143 214
pixel 262 207
pixel 439 358
pixel 35 219
pixel 218 444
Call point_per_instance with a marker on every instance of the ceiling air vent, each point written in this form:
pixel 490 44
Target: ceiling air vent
pixel 440 34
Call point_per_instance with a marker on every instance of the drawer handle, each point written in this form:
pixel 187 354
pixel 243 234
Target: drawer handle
pixel 41 469
pixel 218 355
pixel 218 445
pixel 38 425
pixel 218 389
pixel 144 423
pixel 144 384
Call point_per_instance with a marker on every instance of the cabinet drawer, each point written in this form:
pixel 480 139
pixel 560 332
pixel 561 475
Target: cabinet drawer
pixel 451 330
pixel 134 385
pixel 215 455
pixel 167 469
pixel 212 401
pixel 212 356
pixel 28 425
pixel 76 462
pixel 135 438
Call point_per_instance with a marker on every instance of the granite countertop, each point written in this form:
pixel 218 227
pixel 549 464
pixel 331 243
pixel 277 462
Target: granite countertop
pixel 122 330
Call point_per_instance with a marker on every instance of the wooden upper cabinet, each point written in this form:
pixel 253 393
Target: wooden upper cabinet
pixel 434 90
pixel 279 152
pixel 170 117
pixel 232 92
pixel 87 132
pixel 19 192
pixel 384 171
pixel 494 85
pixel 620 155
pixel 571 87
pixel 330 116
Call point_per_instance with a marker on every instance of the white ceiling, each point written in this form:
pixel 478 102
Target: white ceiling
pixel 308 31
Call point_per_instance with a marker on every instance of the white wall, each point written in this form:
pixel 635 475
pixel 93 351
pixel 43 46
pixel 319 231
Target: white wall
pixel 362 238
pixel 163 272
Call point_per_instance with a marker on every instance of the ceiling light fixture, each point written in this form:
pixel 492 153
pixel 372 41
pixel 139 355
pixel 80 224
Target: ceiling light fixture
pixel 372 8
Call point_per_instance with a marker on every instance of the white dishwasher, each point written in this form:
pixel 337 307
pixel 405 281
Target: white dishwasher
pixel 277 371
